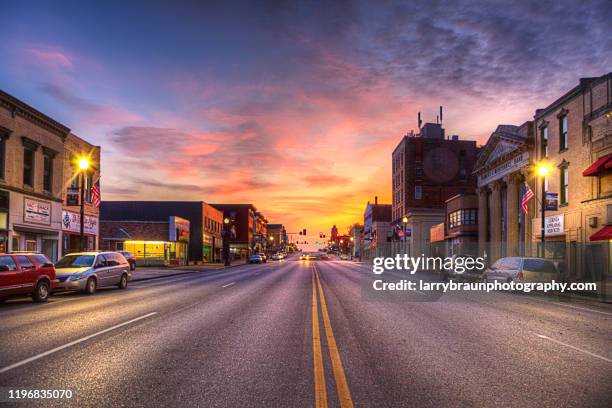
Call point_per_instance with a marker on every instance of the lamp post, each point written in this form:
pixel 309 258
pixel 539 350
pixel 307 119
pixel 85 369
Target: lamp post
pixel 83 167
pixel 226 235
pixel 543 170
pixel 405 222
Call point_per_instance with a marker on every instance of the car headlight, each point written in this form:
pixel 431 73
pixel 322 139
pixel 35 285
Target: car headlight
pixel 79 276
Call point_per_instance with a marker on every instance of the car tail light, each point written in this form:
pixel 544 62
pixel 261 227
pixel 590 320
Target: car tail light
pixel 520 276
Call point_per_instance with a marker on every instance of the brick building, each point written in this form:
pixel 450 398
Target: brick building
pixel 161 211
pixel 277 237
pixel 376 229
pixel 428 169
pixel 248 226
pixel 574 138
pixel 31 166
pixel 76 148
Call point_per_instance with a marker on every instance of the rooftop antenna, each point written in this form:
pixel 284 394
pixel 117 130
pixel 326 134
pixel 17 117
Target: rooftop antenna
pixel 420 121
pixel 440 114
pixel 437 119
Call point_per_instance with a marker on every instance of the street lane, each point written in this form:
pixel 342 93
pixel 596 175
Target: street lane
pixel 245 337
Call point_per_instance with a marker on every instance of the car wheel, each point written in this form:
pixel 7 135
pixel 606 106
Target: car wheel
pixel 123 282
pixel 41 292
pixel 91 286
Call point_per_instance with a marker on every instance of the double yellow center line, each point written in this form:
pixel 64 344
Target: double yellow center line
pixel 344 394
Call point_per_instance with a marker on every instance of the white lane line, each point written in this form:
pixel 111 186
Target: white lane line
pixel 574 348
pixel 229 284
pixel 257 273
pixel 586 309
pixel 72 343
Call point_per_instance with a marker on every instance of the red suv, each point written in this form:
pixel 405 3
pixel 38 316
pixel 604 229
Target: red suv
pixel 26 273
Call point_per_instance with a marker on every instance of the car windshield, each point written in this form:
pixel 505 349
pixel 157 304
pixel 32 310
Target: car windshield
pixel 75 261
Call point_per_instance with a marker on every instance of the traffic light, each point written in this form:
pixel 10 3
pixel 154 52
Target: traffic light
pixel 304 232
pixel 300 232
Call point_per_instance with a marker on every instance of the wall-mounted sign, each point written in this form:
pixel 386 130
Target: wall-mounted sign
pixel 436 233
pixel 179 229
pixel 36 211
pixel 71 222
pixel 508 167
pixel 553 225
pixel 552 201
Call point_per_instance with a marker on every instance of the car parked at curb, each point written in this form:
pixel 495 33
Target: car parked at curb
pixel 522 269
pixel 88 271
pixel 26 273
pixel 263 257
pixel 130 258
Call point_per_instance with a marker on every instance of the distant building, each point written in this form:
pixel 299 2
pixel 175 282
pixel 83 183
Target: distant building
pixel 376 228
pixel 427 170
pixel 356 232
pixel 461 224
pixel 277 237
pixel 249 233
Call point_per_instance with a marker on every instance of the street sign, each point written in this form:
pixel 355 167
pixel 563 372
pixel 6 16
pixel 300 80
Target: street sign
pixel 552 201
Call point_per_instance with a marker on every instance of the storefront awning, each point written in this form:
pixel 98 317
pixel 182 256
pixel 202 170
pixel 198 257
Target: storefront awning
pixel 603 234
pixel 599 166
pixel 35 230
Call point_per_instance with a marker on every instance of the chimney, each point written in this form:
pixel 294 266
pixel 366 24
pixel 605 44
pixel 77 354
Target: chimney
pixel 376 200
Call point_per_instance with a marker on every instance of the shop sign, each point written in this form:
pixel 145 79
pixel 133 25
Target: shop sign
pixel 71 222
pixel 35 211
pixel 553 225
pixel 552 201
pixel 508 167
pixel 179 229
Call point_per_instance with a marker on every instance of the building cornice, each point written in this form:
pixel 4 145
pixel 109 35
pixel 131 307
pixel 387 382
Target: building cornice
pixel 17 107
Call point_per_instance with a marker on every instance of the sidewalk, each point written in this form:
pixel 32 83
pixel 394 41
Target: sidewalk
pixel 155 272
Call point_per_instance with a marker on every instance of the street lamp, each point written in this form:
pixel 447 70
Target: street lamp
pixel 83 167
pixel 226 235
pixel 405 222
pixel 543 171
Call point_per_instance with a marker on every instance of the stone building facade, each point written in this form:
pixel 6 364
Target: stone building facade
pixel 502 168
pixel 31 178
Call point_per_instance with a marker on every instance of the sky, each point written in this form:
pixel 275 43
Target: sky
pixel 292 106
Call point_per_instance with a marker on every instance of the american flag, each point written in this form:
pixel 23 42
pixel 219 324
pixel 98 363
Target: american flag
pixel 95 194
pixel 527 195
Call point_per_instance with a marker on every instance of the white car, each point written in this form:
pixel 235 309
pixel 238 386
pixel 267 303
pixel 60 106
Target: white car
pixel 277 257
pixel 522 269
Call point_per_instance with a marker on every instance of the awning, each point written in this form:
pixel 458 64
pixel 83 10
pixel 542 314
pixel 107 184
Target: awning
pixel 600 165
pixel 603 234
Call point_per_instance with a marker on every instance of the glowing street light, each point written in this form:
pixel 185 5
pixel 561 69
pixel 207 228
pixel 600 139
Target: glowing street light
pixel 83 163
pixel 543 169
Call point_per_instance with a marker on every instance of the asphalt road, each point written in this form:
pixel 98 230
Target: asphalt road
pixel 246 336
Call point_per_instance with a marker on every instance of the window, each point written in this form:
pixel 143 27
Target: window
pixel 466 216
pixel 564 183
pixel 88 186
pixel 48 172
pixel 418 192
pixel 24 261
pixel 544 146
pixel 28 166
pixel 2 155
pixel 563 132
pixel 8 261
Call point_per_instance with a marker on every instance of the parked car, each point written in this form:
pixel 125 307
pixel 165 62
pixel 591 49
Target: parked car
pixel 26 273
pixel 522 269
pixel 263 257
pixel 256 258
pixel 344 257
pixel 88 271
pixel 130 258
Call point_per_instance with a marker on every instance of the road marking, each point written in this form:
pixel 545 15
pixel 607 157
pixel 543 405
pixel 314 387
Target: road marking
pixel 344 394
pixel 319 370
pixel 574 348
pixel 586 309
pixel 229 284
pixel 72 343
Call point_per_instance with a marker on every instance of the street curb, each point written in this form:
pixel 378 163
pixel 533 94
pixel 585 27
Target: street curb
pixel 183 273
